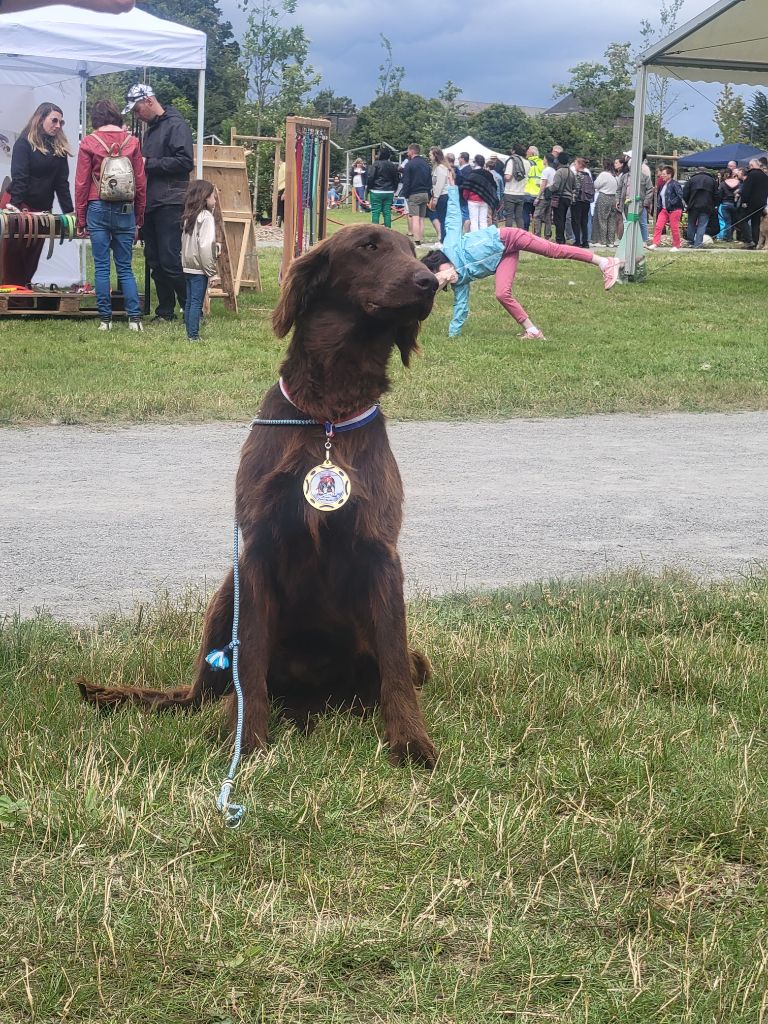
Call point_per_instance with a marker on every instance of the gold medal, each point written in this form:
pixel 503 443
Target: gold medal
pixel 326 487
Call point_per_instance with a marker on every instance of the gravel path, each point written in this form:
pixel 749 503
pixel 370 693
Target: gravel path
pixel 93 520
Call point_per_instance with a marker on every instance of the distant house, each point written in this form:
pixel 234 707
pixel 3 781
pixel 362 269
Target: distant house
pixel 472 107
pixel 568 104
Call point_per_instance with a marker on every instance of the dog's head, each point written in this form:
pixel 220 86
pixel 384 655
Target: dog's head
pixel 369 269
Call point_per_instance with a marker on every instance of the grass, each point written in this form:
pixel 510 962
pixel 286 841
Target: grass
pixel 592 847
pixel 691 338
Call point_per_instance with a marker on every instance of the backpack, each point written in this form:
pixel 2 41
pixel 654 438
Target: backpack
pixel 586 187
pixel 116 182
pixel 518 167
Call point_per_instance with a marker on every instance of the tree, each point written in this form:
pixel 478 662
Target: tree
pixel 662 98
pixel 328 102
pixel 605 93
pixel 756 120
pixel 499 126
pixel 275 60
pixel 729 116
pixel 398 120
pixel 391 75
pixel 451 121
pixel 225 80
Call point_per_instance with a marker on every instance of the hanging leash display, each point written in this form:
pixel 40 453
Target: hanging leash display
pixel 326 487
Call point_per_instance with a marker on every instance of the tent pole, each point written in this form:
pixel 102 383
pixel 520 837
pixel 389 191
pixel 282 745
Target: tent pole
pixel 635 172
pixel 200 119
pixel 83 122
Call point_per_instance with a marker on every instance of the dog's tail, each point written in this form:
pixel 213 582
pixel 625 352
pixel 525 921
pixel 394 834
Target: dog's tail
pixel 210 684
pixel 107 698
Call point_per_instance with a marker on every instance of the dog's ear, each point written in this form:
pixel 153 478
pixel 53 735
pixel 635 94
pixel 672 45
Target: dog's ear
pixel 405 339
pixel 306 276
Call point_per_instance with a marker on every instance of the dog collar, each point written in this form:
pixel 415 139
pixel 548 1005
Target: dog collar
pixel 360 419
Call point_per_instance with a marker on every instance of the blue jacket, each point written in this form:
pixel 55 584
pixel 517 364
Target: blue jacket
pixel 475 255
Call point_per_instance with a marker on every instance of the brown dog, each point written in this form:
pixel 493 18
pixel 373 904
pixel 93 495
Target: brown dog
pixel 322 615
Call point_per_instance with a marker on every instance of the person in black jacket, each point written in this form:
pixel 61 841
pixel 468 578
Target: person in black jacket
pixel 381 184
pixel 754 197
pixel 39 171
pixel 700 194
pixel 168 160
pixel 417 188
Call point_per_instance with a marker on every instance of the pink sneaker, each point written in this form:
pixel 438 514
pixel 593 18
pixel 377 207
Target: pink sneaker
pixel 611 273
pixel 532 336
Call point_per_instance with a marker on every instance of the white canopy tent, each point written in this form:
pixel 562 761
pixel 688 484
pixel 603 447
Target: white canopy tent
pixel 48 54
pixel 725 43
pixel 469 145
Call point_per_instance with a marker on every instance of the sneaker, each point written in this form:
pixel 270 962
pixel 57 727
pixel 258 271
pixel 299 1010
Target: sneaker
pixel 674 249
pixel 190 338
pixel 105 325
pixel 135 325
pixel 611 272
pixel 157 319
pixel 532 336
pixel 653 246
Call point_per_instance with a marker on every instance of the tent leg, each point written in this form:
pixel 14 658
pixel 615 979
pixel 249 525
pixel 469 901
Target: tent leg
pixel 200 120
pixel 83 121
pixel 636 170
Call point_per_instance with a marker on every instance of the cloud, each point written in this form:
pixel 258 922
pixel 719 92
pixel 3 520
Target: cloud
pixel 507 52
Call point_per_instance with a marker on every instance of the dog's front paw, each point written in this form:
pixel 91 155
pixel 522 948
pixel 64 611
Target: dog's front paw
pixel 419 750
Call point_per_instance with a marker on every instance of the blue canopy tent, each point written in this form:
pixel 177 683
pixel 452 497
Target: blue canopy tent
pixel 721 156
pixel 725 43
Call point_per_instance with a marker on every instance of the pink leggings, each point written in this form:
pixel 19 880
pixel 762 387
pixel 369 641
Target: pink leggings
pixel 514 240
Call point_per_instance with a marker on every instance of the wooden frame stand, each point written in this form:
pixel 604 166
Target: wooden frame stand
pixel 305 222
pixel 225 167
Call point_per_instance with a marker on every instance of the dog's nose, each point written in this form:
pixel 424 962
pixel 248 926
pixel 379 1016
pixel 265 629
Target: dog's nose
pixel 425 280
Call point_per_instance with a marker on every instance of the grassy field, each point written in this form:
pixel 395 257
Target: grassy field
pixel 592 848
pixel 691 338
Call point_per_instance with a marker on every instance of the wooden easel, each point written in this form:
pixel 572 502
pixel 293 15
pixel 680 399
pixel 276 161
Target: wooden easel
pixel 294 128
pixel 225 167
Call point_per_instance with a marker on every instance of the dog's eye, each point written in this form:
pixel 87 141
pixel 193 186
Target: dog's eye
pixel 370 246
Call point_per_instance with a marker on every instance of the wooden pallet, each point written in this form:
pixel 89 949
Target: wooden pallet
pixel 57 304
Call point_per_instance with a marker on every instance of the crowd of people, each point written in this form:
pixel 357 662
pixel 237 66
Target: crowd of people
pixel 124 190
pixel 554 194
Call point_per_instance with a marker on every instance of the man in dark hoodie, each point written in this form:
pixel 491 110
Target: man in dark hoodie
pixel 168 160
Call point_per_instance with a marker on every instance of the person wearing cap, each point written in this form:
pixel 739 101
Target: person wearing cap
pixel 168 160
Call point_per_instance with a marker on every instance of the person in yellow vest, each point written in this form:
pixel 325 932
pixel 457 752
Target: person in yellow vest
pixel 532 185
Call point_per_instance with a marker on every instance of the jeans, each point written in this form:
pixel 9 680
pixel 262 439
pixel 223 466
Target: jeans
pixel 728 216
pixel 528 202
pixel 643 222
pixel 672 218
pixel 197 286
pixel 698 222
pixel 112 226
pixel 381 206
pixel 559 214
pixel 162 248
pixel 513 210
pixel 580 222
pixel 438 215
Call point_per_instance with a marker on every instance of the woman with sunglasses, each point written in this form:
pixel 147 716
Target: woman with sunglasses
pixel 39 171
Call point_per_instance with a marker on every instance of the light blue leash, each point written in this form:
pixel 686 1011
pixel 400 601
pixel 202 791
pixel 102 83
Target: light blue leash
pixel 219 659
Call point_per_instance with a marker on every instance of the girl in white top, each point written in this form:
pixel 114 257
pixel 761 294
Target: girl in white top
pixel 199 251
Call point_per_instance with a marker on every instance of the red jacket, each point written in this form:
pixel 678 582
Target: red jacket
pixel 89 160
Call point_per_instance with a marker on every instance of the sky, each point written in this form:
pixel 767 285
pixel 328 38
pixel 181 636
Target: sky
pixel 508 51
